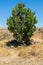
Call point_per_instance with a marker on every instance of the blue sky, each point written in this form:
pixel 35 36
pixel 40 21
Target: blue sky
pixel 7 5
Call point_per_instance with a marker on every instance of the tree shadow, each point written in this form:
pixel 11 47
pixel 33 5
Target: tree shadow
pixel 14 43
pixel 28 43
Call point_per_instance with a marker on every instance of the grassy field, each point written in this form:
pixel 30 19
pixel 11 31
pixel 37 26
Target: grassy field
pixel 24 55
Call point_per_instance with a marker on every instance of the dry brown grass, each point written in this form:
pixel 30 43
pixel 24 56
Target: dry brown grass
pixel 33 50
pixel 4 51
pixel 2 43
pixel 17 56
pixel 24 55
pixel 24 51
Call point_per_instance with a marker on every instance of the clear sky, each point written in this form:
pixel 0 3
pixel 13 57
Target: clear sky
pixel 7 5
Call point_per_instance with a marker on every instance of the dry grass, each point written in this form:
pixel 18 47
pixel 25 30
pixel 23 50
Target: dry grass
pixel 24 51
pixel 24 55
pixel 3 43
pixel 33 50
pixel 7 51
pixel 4 50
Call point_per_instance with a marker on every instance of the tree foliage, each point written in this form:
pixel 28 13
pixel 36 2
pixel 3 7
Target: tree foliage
pixel 22 23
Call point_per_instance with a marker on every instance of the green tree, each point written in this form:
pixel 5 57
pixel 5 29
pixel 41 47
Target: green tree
pixel 22 23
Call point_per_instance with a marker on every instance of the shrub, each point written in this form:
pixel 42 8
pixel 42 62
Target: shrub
pixel 22 23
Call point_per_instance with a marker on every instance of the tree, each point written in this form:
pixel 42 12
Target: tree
pixel 22 23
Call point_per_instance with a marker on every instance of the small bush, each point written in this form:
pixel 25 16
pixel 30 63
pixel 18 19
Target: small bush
pixel 22 23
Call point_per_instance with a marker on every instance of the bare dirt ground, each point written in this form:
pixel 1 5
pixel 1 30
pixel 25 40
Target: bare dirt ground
pixel 24 55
